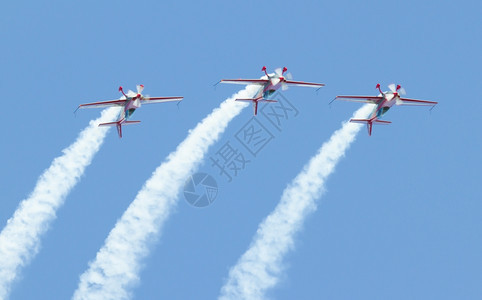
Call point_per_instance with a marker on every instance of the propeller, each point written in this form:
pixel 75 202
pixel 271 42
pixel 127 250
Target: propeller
pixel 278 72
pixel 396 89
pixel 140 88
pixel 276 78
pixel 131 93
pixel 288 76
pixel 282 77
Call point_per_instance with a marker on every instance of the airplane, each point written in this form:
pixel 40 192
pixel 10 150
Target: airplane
pixel 130 102
pixel 383 103
pixel 269 85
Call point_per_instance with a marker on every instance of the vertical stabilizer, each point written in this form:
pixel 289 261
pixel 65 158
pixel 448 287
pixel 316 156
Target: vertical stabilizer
pixel 119 129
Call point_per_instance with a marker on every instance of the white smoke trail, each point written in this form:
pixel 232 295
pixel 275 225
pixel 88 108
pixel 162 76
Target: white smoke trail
pixel 20 239
pixel 259 267
pixel 116 267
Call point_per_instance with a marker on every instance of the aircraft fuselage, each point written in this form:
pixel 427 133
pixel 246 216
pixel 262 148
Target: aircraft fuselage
pixel 267 90
pixel 389 99
pixel 131 104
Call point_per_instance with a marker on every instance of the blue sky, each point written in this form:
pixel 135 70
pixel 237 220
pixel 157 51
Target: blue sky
pixel 402 214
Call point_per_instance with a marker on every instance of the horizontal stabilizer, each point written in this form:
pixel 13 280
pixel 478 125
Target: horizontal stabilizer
pixel 381 122
pixel 256 100
pixel 109 124
pixel 130 122
pixel 250 99
pixel 119 123
pixel 370 123
pixel 361 121
pixel 374 121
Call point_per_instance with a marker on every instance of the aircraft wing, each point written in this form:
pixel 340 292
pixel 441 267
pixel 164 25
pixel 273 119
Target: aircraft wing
pixel 406 101
pixel 148 100
pixel 245 81
pixel 361 99
pixel 103 104
pixel 302 83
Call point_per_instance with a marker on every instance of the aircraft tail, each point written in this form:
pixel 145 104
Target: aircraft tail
pixel 255 102
pixel 119 124
pixel 370 123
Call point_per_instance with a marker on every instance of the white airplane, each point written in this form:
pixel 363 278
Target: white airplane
pixel 383 103
pixel 130 101
pixel 269 85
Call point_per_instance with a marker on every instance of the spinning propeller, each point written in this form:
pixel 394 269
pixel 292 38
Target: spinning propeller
pixel 396 89
pixel 140 88
pixel 131 94
pixel 280 76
